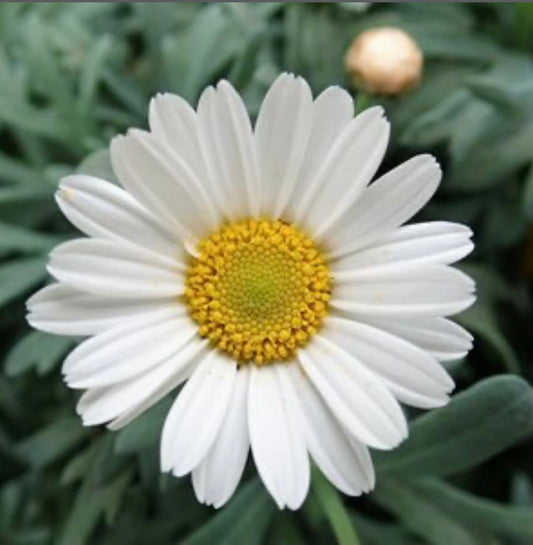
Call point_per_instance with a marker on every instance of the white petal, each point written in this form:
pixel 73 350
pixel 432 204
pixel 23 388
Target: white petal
pixel 114 269
pixel 430 290
pixel 282 133
pixel 99 405
pixel 101 209
pixel 175 124
pixel 218 474
pixel 345 172
pixel 194 420
pixel 343 460
pixel 164 183
pixel 443 339
pixel 356 396
pixel 192 353
pixel 436 242
pixel 277 436
pixel 228 144
pixel 61 310
pixel 332 111
pixel 385 205
pixel 126 351
pixel 229 205
pixel 411 374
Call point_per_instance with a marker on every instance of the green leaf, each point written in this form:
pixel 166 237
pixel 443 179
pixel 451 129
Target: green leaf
pixel 508 86
pixel 476 425
pixel 243 67
pixel 334 510
pixel 36 350
pixel 355 7
pixel 481 320
pixel 45 65
pixel 91 74
pixel 497 156
pixel 524 24
pixel 477 512
pixel 522 490
pixel 91 504
pixel 500 212
pixel 377 532
pixel 448 44
pixel 490 285
pixel 46 123
pixel 79 466
pixel 422 517
pixel 441 81
pixel 52 442
pixel 437 123
pixel 528 195
pixel 19 239
pixel 26 206
pixel 98 164
pixel 14 170
pixel 242 522
pixel 19 277
pixel 214 38
pixel 315 39
pixel 442 15
pixel 284 529
pixel 11 464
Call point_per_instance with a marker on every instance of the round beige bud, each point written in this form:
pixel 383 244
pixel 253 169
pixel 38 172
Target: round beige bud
pixel 384 61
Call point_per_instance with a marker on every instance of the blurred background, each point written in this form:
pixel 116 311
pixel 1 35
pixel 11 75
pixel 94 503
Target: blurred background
pixel 72 75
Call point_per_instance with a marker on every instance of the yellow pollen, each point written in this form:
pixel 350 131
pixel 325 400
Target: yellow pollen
pixel 258 290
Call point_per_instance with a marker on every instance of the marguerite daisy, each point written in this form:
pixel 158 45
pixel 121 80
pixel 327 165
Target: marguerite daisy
pixel 260 267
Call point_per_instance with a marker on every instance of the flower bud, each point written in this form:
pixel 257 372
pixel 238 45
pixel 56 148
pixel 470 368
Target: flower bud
pixel 384 61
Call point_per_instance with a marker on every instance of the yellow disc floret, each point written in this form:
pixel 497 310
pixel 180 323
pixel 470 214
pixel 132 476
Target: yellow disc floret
pixel 258 290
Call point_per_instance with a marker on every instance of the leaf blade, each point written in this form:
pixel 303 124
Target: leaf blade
pixel 477 424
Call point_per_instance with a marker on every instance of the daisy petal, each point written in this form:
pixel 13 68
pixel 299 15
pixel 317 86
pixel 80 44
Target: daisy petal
pixel 194 420
pixel 228 143
pixel 108 268
pixel 61 310
pixel 342 459
pixel 332 111
pixel 101 209
pixel 436 242
pixel 277 436
pixel 411 374
pixel 164 183
pixel 282 132
pixel 126 351
pixel 191 353
pixel 431 290
pixel 345 172
pixel 174 123
pixel 355 395
pixel 385 205
pixel 218 474
pixel 442 338
pixel 99 405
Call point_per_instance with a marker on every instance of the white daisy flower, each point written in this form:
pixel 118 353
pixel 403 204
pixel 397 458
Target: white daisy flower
pixel 260 267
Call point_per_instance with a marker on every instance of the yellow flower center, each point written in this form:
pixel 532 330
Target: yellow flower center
pixel 258 290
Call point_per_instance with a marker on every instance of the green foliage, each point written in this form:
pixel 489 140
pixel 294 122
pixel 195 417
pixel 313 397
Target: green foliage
pixel 72 75
pixel 334 510
pixel 462 435
pixel 38 350
pixel 243 522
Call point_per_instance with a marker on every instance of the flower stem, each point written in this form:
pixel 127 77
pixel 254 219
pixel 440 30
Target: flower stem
pixel 334 510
